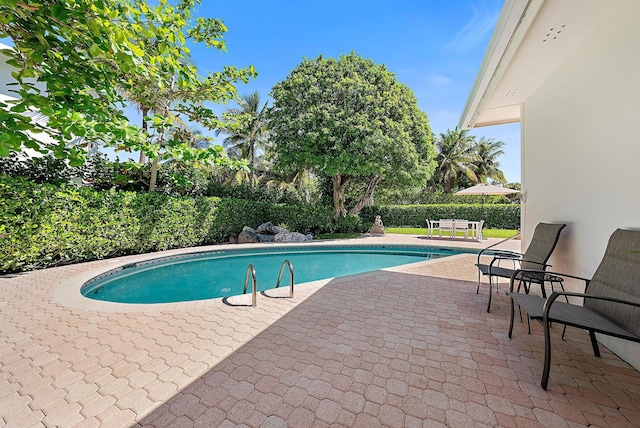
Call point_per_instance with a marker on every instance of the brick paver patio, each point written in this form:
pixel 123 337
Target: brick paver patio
pixel 410 346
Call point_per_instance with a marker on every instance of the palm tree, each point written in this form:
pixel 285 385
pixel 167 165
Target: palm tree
pixel 455 157
pixel 245 140
pixel 486 166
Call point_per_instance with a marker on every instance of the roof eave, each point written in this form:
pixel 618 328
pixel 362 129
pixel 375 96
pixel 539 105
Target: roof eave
pixel 497 57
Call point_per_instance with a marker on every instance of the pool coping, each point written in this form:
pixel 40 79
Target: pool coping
pixel 68 293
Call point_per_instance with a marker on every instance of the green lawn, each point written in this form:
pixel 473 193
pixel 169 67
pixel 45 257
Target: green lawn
pixel 487 233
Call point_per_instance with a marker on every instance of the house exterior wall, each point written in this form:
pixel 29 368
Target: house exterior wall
pixel 581 149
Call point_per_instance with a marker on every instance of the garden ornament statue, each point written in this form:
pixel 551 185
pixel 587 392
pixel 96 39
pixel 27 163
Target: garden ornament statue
pixel 377 227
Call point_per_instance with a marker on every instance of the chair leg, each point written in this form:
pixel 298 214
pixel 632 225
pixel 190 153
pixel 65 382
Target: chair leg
pixel 547 356
pixel 511 319
pixel 594 343
pixel 490 293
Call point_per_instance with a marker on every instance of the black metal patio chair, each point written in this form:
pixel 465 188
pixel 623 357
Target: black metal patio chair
pixel 611 298
pixel 544 240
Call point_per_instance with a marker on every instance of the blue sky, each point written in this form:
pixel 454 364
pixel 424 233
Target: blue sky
pixel 435 47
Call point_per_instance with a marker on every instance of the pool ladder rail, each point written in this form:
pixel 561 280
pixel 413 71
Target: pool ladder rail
pixel 251 273
pixel 286 263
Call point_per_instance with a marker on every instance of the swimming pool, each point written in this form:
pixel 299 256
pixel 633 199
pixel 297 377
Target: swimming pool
pixel 216 274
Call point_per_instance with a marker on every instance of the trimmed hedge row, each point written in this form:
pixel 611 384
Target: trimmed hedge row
pixel 45 225
pixel 496 216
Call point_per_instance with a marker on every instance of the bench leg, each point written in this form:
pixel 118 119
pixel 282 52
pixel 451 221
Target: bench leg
pixel 594 343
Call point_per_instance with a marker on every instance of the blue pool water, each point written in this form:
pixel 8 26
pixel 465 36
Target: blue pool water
pixel 222 273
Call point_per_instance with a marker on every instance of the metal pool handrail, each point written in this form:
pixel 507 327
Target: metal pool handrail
pixel 254 287
pixel 287 263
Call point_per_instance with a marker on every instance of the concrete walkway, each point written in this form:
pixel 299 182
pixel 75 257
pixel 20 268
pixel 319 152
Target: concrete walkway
pixel 408 346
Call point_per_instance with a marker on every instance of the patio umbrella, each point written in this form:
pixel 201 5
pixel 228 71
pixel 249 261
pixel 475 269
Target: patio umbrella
pixel 486 189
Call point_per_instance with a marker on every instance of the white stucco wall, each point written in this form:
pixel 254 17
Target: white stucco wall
pixel 581 149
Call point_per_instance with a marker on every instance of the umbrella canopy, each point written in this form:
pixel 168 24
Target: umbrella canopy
pixel 487 189
pixel 483 189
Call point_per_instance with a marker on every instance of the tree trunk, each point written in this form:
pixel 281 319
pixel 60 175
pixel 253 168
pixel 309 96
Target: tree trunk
pixel 252 159
pixel 144 111
pixel 373 182
pixel 154 175
pixel 339 185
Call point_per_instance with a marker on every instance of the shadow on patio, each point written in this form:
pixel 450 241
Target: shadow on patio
pixel 400 349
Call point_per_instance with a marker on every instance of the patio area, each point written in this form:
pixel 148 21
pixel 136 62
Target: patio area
pixel 410 346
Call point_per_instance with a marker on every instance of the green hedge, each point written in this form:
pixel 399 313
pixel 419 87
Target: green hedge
pixel 496 216
pixel 45 225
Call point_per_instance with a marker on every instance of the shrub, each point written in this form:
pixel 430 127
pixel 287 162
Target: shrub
pixel 350 223
pixel 253 193
pixel 496 216
pixel 303 218
pixel 40 169
pixel 46 225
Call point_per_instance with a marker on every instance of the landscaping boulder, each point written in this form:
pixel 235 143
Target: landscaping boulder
pixel 265 237
pixel 248 236
pixel 290 237
pixel 277 229
pixel 265 228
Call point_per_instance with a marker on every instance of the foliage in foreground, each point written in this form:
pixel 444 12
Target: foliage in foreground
pixel 75 62
pixel 46 225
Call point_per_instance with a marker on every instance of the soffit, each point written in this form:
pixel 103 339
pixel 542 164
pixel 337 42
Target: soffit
pixel 546 35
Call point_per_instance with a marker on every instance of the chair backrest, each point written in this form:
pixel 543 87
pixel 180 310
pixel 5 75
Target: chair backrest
pixel 542 244
pixel 618 276
pixel 461 223
pixel 446 223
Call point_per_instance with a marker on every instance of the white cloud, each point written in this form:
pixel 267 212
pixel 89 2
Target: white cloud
pixel 440 80
pixel 482 22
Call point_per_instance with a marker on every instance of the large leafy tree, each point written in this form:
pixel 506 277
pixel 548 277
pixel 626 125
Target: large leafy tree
pixel 74 60
pixel 486 165
pixel 455 157
pixel 248 134
pixel 351 120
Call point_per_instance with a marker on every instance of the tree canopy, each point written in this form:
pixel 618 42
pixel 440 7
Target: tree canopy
pixel 247 135
pixel 486 166
pixel 74 60
pixel 350 119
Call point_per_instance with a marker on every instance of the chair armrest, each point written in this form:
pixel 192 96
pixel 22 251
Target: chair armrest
pixel 544 272
pixel 507 253
pixel 547 305
pixel 496 244
pixel 499 258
